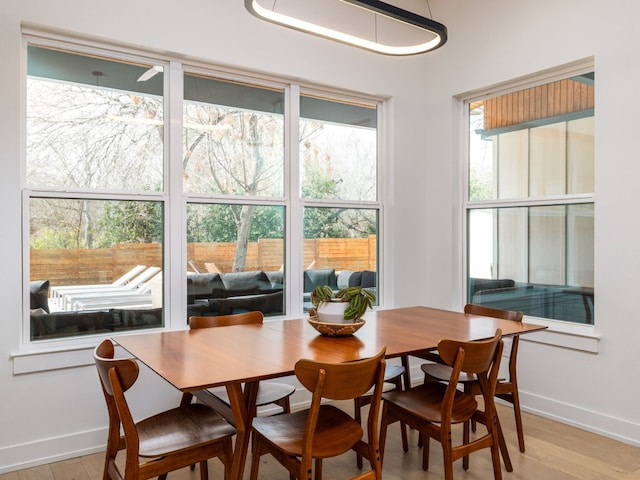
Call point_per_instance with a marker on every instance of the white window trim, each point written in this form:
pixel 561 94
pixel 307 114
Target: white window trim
pixel 559 333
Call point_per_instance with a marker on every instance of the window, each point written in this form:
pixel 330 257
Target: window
pixel 338 165
pixel 234 167
pixel 94 177
pixel 530 205
pixel 256 187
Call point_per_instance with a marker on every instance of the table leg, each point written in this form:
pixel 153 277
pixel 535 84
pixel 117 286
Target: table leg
pixel 243 408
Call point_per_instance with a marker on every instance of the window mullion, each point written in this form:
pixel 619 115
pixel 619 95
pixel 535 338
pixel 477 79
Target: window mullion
pixel 175 223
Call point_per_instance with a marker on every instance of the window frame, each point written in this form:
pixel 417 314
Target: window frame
pixel 561 333
pixel 173 196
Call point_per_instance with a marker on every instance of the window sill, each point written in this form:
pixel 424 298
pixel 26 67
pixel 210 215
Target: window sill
pixel 69 353
pixel 52 359
pixel 565 335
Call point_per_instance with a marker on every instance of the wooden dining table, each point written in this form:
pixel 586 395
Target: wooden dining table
pixel 194 360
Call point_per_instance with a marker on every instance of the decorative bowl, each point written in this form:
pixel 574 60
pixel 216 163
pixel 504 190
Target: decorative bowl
pixel 337 329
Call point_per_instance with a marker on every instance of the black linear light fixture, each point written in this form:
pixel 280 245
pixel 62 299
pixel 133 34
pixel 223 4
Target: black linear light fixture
pixel 437 33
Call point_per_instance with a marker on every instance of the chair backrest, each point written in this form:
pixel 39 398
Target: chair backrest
pixel 474 357
pixel 116 377
pixel 516 316
pixel 475 309
pixel 341 381
pixel 125 370
pixel 480 358
pixel 245 318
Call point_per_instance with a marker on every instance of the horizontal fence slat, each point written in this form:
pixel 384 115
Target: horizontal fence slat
pixel 104 265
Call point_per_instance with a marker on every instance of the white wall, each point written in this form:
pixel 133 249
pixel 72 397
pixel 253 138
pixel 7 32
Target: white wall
pixel 60 413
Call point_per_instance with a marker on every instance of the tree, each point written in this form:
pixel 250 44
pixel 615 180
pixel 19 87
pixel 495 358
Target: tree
pixel 131 222
pixel 89 138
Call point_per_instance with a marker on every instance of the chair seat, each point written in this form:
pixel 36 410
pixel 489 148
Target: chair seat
pixel 425 402
pixel 443 373
pixel 392 372
pixel 181 428
pixel 335 432
pixel 268 392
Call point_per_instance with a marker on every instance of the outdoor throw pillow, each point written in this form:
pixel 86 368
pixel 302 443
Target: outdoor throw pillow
pixel 39 293
pixel 343 278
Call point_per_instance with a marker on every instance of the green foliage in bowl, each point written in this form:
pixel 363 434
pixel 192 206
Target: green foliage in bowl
pixel 358 298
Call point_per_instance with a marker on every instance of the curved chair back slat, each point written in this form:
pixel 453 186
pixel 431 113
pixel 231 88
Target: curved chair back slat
pixel 478 355
pixel 246 318
pixel 126 369
pixel 342 380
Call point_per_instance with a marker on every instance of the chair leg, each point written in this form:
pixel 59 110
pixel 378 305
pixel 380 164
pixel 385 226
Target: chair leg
pixel 318 469
pixel 204 470
pixel 502 445
pixel 403 426
pixel 255 458
pixel 227 459
pixel 407 373
pixel 425 441
pixel 447 457
pixel 285 404
pixel 465 440
pixel 405 438
pixel 186 399
pixel 357 405
pixel 495 459
pixel 518 414
pixel 113 445
pixel 383 431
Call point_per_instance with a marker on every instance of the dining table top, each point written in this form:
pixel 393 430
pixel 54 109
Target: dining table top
pixel 193 360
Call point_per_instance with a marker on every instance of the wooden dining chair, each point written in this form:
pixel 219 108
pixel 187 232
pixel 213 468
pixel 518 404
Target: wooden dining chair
pixel 507 388
pixel 164 442
pixel 433 408
pixel 392 375
pixel 268 392
pixel 301 440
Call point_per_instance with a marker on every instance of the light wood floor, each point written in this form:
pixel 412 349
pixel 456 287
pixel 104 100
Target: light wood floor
pixel 553 452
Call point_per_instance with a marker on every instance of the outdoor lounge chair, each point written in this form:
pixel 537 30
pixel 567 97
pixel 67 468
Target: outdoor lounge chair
pixel 119 282
pixel 137 285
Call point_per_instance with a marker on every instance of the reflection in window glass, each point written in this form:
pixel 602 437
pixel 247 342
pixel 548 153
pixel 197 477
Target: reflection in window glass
pixel 91 124
pixel 235 257
pixel 530 144
pixel 535 259
pixel 233 138
pixel 533 145
pixel 95 265
pixel 338 157
pixel 340 249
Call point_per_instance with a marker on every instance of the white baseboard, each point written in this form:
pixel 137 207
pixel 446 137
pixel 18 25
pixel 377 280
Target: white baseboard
pixel 53 449
pixel 607 426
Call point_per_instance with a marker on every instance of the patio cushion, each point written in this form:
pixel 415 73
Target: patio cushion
pixel 314 278
pixel 39 295
pixel 245 283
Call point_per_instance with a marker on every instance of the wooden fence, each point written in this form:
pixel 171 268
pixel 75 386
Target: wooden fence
pixel 95 266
